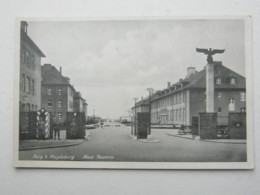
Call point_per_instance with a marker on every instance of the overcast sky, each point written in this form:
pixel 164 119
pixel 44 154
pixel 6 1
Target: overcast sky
pixel 111 62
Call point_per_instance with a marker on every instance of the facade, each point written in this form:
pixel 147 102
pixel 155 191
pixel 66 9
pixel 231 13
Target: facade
pixel 57 94
pixel 80 104
pixel 179 102
pixel 30 72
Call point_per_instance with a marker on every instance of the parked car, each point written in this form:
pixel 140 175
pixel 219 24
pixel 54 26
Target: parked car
pixel 90 126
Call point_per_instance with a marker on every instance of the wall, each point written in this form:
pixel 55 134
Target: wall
pixel 33 73
pixel 54 109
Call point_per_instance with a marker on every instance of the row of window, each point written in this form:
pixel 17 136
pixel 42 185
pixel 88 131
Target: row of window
pixel 232 80
pixel 166 91
pixel 50 91
pixel 242 96
pixel 50 103
pixel 27 58
pixel 27 84
pixel 29 107
pixel 171 115
pixel 171 100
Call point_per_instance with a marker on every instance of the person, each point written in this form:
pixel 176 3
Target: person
pixel 56 128
pixel 73 129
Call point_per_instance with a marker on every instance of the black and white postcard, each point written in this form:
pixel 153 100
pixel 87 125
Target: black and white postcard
pixel 134 93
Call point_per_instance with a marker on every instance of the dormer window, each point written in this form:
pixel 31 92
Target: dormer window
pixel 218 81
pixel 232 81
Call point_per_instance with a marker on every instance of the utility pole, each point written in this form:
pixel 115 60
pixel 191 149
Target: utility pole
pixel 135 119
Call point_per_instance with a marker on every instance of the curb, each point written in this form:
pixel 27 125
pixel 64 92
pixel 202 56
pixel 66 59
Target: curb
pixel 53 146
pixel 207 140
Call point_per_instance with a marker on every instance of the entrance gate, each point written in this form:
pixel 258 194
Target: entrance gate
pixel 143 119
pixel 75 122
pixel 35 125
pixel 211 126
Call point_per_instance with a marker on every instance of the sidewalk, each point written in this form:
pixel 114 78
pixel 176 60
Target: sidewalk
pixel 197 138
pixel 50 143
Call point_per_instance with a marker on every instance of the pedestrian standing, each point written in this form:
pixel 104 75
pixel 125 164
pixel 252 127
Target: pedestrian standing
pixel 56 129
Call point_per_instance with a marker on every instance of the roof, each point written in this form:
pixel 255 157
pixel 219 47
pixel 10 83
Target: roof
pixel 144 102
pixel 198 80
pixel 77 95
pixel 25 38
pixel 51 76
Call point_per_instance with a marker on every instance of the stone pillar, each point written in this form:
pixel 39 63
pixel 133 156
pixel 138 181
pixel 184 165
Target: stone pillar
pixel 187 109
pixel 210 88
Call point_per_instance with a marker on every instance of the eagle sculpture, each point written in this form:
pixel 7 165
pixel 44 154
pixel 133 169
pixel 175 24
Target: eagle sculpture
pixel 209 52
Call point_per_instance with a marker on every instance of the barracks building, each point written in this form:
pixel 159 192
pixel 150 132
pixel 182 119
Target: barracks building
pixel 179 102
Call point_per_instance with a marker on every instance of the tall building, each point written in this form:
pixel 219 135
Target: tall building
pixel 30 72
pixel 57 94
pixel 179 102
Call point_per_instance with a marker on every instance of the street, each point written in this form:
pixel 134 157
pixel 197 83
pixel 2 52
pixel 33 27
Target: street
pixel 112 143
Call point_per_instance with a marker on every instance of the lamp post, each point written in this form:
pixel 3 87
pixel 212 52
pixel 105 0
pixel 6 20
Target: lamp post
pixel 150 90
pixel 135 99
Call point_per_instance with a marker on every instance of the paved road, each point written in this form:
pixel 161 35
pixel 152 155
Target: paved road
pixel 113 143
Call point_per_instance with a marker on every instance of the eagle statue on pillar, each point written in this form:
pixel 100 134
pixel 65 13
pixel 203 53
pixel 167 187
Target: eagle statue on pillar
pixel 209 52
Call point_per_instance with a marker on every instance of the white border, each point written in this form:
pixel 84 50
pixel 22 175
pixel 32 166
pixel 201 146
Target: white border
pixel 140 165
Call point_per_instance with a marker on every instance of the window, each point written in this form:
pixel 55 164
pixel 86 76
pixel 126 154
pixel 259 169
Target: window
pixel 32 87
pixel 28 61
pixel 243 110
pixel 23 82
pixel 59 115
pixel 242 96
pixel 23 55
pixel 49 91
pixel 219 109
pixel 32 107
pixel 28 107
pixel 219 94
pixel 28 84
pixel 32 61
pixel 59 103
pixel 231 106
pixel 232 81
pixel 59 91
pixel 49 103
pixel 218 81
pixel 35 107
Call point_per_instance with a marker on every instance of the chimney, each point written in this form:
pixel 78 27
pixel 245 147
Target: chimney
pixel 60 70
pixel 190 71
pixel 24 26
pixel 169 84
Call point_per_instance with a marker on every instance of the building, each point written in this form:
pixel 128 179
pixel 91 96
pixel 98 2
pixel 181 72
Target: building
pixel 141 106
pixel 57 94
pixel 30 72
pixel 80 104
pixel 180 102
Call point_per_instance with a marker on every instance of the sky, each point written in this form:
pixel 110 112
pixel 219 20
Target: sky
pixel 112 62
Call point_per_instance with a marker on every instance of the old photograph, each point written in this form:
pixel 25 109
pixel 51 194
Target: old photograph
pixel 134 93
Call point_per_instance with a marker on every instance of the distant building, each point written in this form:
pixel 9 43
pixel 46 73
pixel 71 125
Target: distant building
pixel 57 94
pixel 141 106
pixel 125 119
pixel 80 104
pixel 179 102
pixel 30 72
